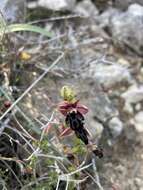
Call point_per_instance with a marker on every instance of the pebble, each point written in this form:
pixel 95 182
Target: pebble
pixel 116 126
pixel 102 73
pixel 134 94
pixel 127 29
pixel 138 122
pixel 57 5
pixel 86 8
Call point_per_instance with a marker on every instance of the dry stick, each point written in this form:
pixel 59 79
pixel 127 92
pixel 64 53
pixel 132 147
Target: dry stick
pixel 96 175
pixel 67 184
pixel 15 141
pixel 69 174
pixel 58 183
pixel 26 133
pixel 43 132
pixel 76 171
pixel 59 18
pixel 31 86
pixel 50 156
pixel 19 133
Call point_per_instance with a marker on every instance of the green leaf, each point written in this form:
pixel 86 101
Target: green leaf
pixel 24 27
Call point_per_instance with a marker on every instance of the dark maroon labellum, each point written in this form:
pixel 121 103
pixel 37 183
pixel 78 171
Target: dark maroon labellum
pixel 75 120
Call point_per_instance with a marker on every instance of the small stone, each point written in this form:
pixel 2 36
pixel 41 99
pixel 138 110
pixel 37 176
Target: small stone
pixel 138 182
pixel 138 107
pixel 32 5
pixel 126 3
pixel 95 129
pixel 141 70
pixel 138 122
pixel 134 94
pixel 128 108
pixel 86 8
pixel 116 126
pixel 103 108
pixel 57 5
pixel 104 19
pixel 123 62
pixel 127 28
pixel 102 73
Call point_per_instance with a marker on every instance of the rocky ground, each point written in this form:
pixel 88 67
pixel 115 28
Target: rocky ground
pixel 103 46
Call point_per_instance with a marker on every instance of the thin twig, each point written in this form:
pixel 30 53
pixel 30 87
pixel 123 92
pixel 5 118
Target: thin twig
pixel 67 184
pixel 78 170
pixel 25 131
pixel 50 156
pixel 19 133
pixel 43 131
pixel 59 18
pixel 58 183
pixel 96 174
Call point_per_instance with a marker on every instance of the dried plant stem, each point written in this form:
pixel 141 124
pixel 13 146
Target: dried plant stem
pixel 96 174
pixel 58 183
pixel 67 184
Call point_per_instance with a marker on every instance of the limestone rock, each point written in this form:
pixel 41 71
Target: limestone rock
pixel 138 121
pixel 127 29
pixel 86 8
pixel 115 126
pixel 134 94
pixel 126 3
pixel 57 5
pixel 109 74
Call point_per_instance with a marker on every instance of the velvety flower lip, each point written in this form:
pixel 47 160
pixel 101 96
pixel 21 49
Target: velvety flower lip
pixel 65 107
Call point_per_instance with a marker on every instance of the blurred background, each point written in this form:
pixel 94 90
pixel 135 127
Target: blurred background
pixel 94 46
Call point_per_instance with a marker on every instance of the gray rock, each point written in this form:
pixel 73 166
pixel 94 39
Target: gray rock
pixel 115 126
pixel 101 106
pixel 128 108
pixel 108 74
pixel 57 5
pixel 13 10
pixel 138 107
pixel 104 108
pixel 104 19
pixel 124 4
pixel 95 129
pixel 32 5
pixel 86 8
pixel 138 122
pixel 127 29
pixel 134 94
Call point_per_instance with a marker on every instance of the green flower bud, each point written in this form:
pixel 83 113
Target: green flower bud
pixel 68 94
